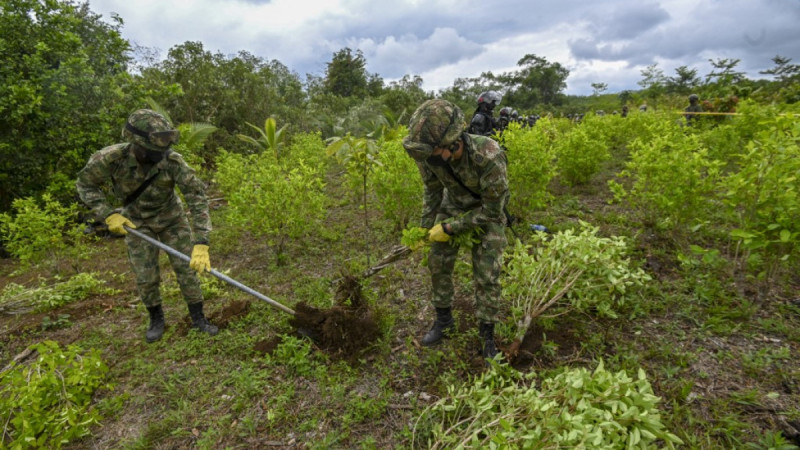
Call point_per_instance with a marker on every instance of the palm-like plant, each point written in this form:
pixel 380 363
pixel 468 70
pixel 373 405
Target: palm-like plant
pixel 271 138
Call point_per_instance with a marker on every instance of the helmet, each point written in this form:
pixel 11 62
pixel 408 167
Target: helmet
pixel 491 98
pixel 694 98
pixel 514 114
pixel 505 111
pixel 436 123
pixel 150 130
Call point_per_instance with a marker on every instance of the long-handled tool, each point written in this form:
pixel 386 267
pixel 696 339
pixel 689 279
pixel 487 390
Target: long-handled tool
pixel 213 272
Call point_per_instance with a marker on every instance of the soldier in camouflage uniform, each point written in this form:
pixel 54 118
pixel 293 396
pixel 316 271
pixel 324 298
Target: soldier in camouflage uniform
pixel 465 190
pixel 694 107
pixel 153 208
pixel 483 123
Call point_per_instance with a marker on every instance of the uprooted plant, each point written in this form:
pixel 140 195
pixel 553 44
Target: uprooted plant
pixel 576 408
pixel 568 271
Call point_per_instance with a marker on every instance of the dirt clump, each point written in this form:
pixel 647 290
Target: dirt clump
pixel 267 346
pixel 229 313
pixel 527 352
pixel 343 330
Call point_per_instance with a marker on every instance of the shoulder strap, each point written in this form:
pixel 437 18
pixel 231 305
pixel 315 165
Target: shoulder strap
pixel 460 183
pixel 509 218
pixel 135 194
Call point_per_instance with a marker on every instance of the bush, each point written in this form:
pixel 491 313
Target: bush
pixel 281 201
pixel 580 153
pixel 48 404
pixel 48 232
pixel 761 195
pixel 531 164
pixel 397 185
pixel 575 409
pixel 673 179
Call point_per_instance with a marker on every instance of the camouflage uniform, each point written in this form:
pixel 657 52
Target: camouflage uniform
pixel 694 107
pixel 482 169
pixel 158 213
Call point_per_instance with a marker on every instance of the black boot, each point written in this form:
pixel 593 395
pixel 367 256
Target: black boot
pixel 199 321
pixel 442 327
pixel 156 329
pixel 488 349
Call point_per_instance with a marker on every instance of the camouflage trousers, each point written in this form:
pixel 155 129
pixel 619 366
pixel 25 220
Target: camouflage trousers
pixel 487 262
pixel 144 261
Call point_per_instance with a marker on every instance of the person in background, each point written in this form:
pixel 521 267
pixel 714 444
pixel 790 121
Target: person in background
pixel 694 107
pixel 482 122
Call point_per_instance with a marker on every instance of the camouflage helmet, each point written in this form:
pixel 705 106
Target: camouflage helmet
pixel 514 114
pixel 150 130
pixel 505 111
pixel 694 98
pixel 436 123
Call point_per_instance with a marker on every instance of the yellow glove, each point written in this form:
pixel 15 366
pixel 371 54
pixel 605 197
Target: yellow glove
pixel 421 242
pixel 200 261
pixel 116 221
pixel 437 234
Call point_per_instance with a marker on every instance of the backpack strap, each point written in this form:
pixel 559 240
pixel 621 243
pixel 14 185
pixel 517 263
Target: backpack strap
pixel 142 187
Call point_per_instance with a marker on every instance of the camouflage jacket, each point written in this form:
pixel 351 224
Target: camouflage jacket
pixel 692 109
pixel 158 205
pixel 482 169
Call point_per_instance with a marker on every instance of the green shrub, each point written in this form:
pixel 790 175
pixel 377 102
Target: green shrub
pixel 48 403
pixel 531 164
pixel 397 184
pixel 673 179
pixel 580 152
pixel 762 194
pixel 281 201
pixel 44 231
pixel 575 409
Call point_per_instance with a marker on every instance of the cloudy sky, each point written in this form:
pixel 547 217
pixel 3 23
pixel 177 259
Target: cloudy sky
pixel 607 41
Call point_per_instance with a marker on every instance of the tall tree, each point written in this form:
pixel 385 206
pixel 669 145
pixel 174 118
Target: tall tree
pixel 653 82
pixel 599 88
pixel 538 81
pixel 723 71
pixel 227 91
pixel 783 72
pixel 64 92
pixel 346 74
pixel 686 80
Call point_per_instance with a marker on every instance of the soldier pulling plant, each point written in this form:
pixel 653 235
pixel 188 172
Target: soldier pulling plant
pixel 465 189
pixel 144 172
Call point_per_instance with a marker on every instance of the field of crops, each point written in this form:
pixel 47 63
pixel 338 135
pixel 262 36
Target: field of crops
pixel 675 251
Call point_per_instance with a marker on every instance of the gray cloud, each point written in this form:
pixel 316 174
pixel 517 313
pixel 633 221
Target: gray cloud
pixel 443 40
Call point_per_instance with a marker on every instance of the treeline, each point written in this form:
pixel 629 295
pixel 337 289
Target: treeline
pixel 68 80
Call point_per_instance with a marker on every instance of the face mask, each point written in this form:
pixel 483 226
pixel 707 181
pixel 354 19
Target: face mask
pixel 147 156
pixel 436 160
